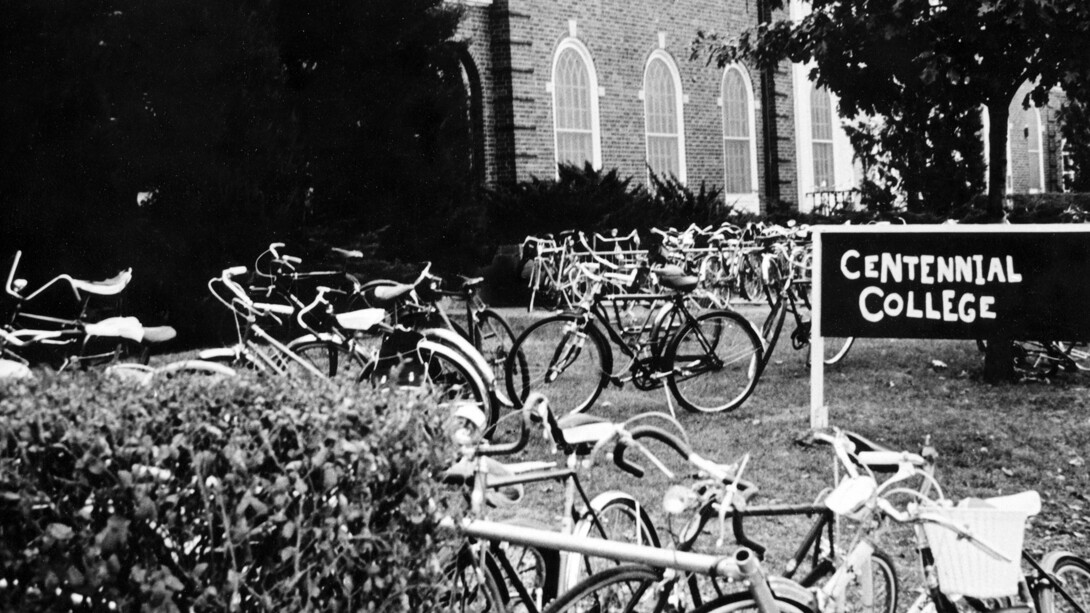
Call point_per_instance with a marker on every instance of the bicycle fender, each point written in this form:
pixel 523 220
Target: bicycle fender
pixel 425 346
pixel 458 343
pixel 1048 562
pixel 223 353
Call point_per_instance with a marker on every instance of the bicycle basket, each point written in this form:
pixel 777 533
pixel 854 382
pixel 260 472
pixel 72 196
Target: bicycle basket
pixel 965 569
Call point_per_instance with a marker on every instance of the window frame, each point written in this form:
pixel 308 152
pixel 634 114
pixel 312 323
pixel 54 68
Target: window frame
pixel 815 141
pixel 581 50
pixel 1039 152
pixel 679 101
pixel 751 118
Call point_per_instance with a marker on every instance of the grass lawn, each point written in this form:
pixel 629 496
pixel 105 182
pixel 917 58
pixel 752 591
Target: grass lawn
pixel 992 440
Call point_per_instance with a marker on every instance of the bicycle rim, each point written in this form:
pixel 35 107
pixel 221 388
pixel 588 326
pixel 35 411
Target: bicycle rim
pixel 453 379
pixel 467 587
pixel 564 361
pixel 335 360
pixel 620 518
pixel 626 588
pixel 1074 574
pixel 836 348
pixel 715 362
pixel 875 590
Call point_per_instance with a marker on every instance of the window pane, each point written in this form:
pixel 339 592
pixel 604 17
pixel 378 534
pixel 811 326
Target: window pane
pixel 737 155
pixel 660 107
pixel 1034 145
pixel 735 105
pixel 823 165
pixel 737 142
pixel 574 123
pixel 821 114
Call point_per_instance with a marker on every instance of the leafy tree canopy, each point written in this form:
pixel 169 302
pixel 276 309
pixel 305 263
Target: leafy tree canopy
pixel 957 54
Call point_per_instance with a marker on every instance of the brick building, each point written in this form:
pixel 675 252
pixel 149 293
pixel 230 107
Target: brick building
pixel 611 83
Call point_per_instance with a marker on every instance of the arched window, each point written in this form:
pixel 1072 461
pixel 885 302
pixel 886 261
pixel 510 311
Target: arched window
pixel 575 105
pixel 739 150
pixel 1035 149
pixel 821 137
pixel 662 110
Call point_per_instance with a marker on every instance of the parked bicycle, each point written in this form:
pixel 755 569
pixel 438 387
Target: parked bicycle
pixel 709 362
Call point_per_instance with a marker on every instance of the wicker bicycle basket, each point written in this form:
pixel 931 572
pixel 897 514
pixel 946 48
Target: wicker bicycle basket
pixel 965 569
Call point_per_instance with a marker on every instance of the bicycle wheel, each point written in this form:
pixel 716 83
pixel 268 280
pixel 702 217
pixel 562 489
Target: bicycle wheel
pixel 875 591
pixel 494 340
pixel 715 362
pixel 453 378
pixel 716 280
pixel 468 586
pixel 836 348
pixel 628 588
pixel 749 281
pixel 787 601
pixel 1073 573
pixel 1077 355
pixel 333 358
pixel 567 359
pixel 529 576
pixel 613 516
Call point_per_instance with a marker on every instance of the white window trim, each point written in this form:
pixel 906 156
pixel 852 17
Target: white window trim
pixel 1009 188
pixel 679 102
pixel 595 123
pixel 1039 152
pixel 748 200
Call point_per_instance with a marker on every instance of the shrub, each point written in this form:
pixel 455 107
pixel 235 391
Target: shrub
pixel 267 497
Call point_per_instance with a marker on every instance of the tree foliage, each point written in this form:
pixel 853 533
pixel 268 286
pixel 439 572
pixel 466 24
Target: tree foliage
pixel 894 57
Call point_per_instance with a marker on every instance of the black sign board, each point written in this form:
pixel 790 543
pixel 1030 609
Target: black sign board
pixel 961 282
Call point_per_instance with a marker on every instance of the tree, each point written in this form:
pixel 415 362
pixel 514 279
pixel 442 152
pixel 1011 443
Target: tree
pixel 1075 126
pixel 377 88
pixel 955 54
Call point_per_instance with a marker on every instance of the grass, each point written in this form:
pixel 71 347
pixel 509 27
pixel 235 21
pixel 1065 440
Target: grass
pixel 992 440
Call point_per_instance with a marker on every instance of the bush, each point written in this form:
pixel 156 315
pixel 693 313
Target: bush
pixel 270 497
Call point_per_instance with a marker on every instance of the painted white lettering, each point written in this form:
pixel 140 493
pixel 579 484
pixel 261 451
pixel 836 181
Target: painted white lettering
pixel 910 262
pixel 893 305
pixel 926 262
pixel 964 267
pixel 986 304
pixel 995 270
pixel 978 265
pixel 965 308
pixel 928 308
pixel 848 274
pixel 871 316
pixel 891 267
pixel 1012 277
pixel 948 313
pixel 870 266
pixel 945 272
pixel 911 310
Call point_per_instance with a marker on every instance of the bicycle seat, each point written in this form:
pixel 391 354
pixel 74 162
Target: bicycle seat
pixel 107 287
pixel 159 334
pixel 117 327
pixel 674 278
pixel 363 319
pixel 389 293
pixel 579 429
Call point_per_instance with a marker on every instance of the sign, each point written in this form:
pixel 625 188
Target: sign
pixel 947 282
pixel 972 282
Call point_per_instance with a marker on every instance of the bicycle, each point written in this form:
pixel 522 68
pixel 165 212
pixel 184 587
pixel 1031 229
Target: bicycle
pixel 785 267
pixel 526 576
pixel 546 264
pixel 333 353
pixel 668 583
pixel 709 362
pixel 28 337
pixel 971 551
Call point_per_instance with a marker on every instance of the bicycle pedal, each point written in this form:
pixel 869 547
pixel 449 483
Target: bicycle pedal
pixel 620 381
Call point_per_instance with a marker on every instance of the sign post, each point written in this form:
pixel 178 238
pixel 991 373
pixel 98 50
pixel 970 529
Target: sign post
pixel 947 282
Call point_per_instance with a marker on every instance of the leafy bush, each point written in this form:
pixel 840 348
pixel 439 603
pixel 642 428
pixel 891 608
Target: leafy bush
pixel 241 495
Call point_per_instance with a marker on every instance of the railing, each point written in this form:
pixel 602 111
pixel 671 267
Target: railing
pixel 827 201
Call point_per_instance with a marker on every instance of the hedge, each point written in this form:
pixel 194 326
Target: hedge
pixel 213 496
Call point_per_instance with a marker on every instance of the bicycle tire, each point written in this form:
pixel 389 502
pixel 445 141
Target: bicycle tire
pixel 622 518
pixel 333 358
pixel 836 348
pixel 527 577
pixel 495 339
pixel 885 587
pixel 628 588
pixel 716 279
pixel 1074 571
pixel 468 587
pixel 454 379
pixel 788 600
pixel 722 379
pixel 750 283
pixel 567 361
